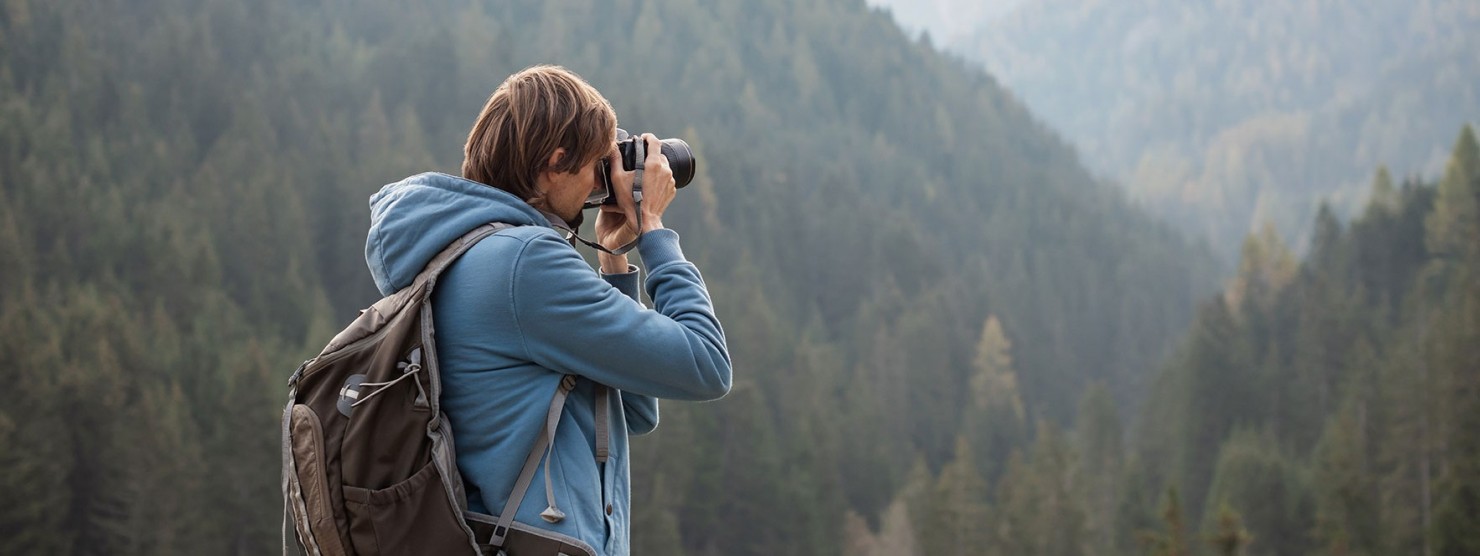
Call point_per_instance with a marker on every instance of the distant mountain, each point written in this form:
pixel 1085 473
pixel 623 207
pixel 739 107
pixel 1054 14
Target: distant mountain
pixel 1224 115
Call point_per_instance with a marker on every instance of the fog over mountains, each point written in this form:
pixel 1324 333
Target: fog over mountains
pixel 946 20
pixel 1222 116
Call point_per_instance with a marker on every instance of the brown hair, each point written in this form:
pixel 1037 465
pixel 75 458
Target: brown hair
pixel 531 114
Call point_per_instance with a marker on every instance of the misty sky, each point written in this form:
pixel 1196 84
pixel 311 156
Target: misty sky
pixel 945 19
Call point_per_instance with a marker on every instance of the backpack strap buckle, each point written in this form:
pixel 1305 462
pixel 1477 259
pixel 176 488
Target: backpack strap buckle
pixel 293 379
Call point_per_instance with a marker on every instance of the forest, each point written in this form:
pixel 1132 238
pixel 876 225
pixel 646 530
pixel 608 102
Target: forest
pixel 949 337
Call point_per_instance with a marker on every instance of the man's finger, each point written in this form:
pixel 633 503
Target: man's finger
pixel 654 147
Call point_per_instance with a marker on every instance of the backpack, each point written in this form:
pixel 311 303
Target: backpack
pixel 368 459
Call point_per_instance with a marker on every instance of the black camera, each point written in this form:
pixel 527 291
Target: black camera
pixel 632 151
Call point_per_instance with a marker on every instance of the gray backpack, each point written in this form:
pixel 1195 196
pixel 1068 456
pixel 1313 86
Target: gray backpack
pixel 368 458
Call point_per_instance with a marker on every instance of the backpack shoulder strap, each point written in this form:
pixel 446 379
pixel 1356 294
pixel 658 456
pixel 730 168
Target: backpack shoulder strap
pixel 544 446
pixel 532 462
pixel 459 246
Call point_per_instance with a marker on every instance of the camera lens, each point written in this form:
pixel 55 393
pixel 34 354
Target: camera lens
pixel 680 160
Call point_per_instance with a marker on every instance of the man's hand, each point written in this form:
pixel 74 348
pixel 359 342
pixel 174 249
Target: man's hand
pixel 613 230
pixel 658 186
pixel 617 225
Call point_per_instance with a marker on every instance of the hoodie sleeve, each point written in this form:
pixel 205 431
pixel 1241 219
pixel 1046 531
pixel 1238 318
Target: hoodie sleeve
pixel 572 321
pixel 641 411
pixel 626 282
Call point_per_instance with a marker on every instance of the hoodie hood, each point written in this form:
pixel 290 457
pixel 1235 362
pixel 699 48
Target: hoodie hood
pixel 414 219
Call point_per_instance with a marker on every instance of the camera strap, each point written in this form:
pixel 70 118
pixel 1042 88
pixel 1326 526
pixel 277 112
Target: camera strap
pixel 572 234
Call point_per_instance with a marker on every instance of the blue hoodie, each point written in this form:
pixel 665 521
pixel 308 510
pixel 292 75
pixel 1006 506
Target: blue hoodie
pixel 521 309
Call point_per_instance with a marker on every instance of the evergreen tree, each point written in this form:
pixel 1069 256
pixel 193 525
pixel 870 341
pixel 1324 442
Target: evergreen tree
pixel 1136 510
pixel 994 421
pixel 959 519
pixel 1270 494
pixel 896 534
pixel 1231 537
pixel 1454 232
pixel 1408 449
pixel 1345 484
pixel 1173 540
pixel 1382 197
pixel 1098 441
pixel 1454 239
pixel 1454 226
pixel 1221 390
pixel 1041 499
pixel 1266 266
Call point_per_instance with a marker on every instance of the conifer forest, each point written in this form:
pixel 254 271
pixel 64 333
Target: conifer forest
pixel 950 336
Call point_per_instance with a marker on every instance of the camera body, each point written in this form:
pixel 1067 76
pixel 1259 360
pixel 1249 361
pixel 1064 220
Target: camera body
pixel 632 151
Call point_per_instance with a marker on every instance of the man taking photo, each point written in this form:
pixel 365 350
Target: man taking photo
pixel 521 316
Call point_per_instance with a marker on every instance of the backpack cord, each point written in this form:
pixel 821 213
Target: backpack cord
pixel 383 386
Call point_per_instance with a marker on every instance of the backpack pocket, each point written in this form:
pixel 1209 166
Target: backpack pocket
pixel 413 516
pixel 307 435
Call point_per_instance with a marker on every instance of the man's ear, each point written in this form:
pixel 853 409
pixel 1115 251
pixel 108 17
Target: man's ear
pixel 546 174
pixel 555 159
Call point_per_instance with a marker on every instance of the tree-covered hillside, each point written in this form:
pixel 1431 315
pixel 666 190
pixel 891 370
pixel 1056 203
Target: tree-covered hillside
pixel 1324 406
pixel 1332 403
pixel 1223 116
pixel 183 192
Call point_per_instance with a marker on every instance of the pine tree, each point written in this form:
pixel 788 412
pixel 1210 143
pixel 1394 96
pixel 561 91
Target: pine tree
pixel 1454 226
pixel 1173 540
pixel 1455 232
pixel 1266 266
pixel 1270 493
pixel 1326 319
pixel 750 464
pixel 994 421
pixel 1454 239
pixel 655 527
pixel 958 513
pixel 1219 368
pixel 1098 437
pixel 34 491
pixel 1383 197
pixel 1231 537
pixel 1407 449
pixel 1136 507
pixel 1040 499
pixel 896 534
pixel 1457 515
pixel 1345 485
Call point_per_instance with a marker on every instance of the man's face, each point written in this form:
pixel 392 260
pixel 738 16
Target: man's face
pixel 567 192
